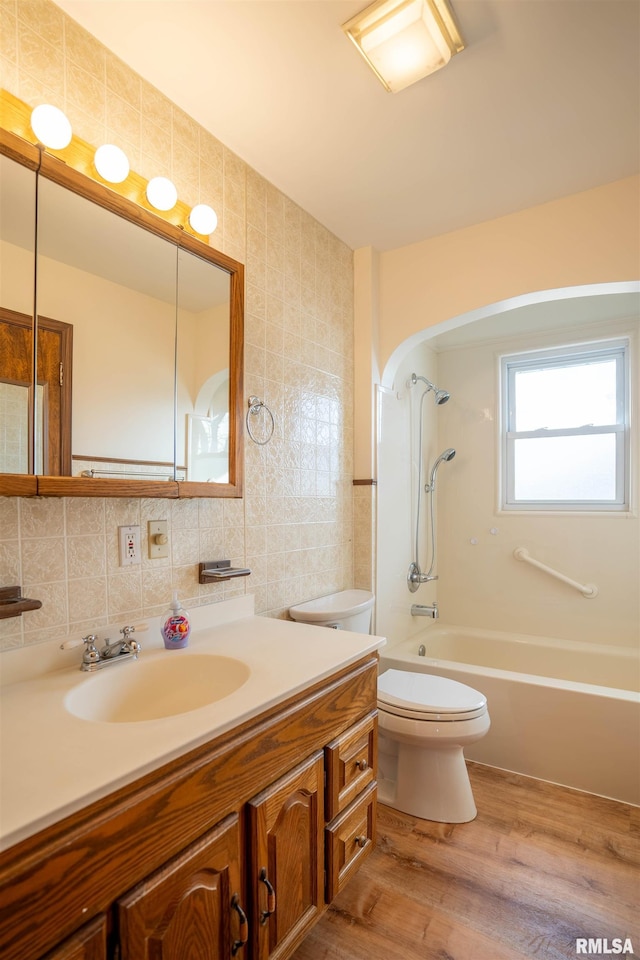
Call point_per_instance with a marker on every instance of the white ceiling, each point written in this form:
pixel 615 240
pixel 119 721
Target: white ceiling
pixel 544 102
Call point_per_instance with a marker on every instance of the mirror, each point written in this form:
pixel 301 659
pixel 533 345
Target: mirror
pixel 138 344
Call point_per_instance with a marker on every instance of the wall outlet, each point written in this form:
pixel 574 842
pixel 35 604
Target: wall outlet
pixel 129 544
pixel 158 539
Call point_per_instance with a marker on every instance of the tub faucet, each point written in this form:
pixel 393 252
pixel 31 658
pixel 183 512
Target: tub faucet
pixel 421 610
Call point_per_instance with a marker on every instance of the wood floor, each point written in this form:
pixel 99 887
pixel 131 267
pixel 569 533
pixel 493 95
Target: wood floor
pixel 538 868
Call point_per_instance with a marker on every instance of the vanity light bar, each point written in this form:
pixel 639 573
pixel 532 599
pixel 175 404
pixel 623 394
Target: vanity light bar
pixel 52 130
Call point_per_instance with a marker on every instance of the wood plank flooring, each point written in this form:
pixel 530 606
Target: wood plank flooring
pixel 538 868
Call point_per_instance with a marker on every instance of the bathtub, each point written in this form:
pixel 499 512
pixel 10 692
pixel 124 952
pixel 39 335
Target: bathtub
pixel 560 711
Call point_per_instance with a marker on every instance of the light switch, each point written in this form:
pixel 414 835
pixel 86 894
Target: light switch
pixel 158 539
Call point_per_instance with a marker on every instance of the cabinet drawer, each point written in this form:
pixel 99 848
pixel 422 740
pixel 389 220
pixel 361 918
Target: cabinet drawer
pixel 349 839
pixel 351 764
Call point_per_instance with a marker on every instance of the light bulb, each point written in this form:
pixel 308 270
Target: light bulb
pixel 203 219
pixel 111 163
pixel 161 193
pixel 51 126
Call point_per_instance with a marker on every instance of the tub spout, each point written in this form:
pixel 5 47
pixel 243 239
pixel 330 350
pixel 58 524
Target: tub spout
pixel 420 610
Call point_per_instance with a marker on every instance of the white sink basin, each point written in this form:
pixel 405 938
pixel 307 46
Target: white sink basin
pixel 155 687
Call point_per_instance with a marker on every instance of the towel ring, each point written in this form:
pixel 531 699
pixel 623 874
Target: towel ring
pixel 256 406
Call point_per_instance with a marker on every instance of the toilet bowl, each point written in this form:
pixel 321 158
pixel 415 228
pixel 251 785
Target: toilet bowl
pixel 424 723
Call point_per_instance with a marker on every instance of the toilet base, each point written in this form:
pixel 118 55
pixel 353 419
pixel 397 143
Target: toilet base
pixel 431 784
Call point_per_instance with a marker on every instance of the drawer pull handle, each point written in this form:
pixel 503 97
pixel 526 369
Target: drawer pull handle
pixel 243 931
pixel 361 764
pixel 271 897
pixel 361 841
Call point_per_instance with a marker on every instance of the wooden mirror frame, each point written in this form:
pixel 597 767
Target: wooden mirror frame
pixel 51 168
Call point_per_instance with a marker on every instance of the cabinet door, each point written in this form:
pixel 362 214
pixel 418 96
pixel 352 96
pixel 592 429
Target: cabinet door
pixel 88 943
pixel 286 848
pixel 191 906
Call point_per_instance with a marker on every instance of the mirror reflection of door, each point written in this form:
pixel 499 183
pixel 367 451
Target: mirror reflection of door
pixel 48 452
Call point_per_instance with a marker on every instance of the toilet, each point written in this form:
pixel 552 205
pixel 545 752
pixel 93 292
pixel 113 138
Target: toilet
pixel 424 723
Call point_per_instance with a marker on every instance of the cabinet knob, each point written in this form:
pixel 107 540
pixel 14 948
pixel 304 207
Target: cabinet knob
pixel 361 764
pixel 360 841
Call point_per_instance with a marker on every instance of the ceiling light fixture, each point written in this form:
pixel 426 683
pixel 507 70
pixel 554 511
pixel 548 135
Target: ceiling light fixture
pixel 111 163
pixel 405 40
pixel 51 126
pixel 203 219
pixel 162 194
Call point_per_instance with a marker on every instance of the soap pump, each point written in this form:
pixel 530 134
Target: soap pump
pixel 176 626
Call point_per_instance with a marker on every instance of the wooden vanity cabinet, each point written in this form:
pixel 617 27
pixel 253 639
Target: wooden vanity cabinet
pixel 171 866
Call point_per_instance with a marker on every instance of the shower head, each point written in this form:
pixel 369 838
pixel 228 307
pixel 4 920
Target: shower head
pixel 447 455
pixel 440 396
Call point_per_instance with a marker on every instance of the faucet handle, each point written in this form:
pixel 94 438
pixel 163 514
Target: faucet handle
pixel 134 628
pixel 91 653
pixel 128 643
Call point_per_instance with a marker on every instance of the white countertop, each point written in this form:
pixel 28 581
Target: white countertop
pixel 52 763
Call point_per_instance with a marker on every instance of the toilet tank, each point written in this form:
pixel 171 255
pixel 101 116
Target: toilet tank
pixel 346 610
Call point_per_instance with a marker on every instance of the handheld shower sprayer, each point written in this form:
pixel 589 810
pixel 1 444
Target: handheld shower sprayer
pixel 446 455
pixel 415 575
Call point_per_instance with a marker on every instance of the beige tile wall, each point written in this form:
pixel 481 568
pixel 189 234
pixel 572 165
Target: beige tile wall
pixel 294 528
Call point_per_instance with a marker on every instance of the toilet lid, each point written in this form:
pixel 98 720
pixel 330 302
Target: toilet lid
pixel 421 694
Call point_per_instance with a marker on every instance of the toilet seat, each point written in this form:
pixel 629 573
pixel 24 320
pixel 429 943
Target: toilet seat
pixel 422 696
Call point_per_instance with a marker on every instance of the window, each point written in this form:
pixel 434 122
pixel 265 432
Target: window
pixel 565 430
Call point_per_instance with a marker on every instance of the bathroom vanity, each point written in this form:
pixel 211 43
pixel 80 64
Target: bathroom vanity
pixel 217 833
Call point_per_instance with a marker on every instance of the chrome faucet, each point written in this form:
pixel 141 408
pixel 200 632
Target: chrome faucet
pixel 421 610
pixel 112 652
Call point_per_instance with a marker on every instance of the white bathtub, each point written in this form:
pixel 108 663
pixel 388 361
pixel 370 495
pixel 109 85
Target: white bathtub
pixel 560 711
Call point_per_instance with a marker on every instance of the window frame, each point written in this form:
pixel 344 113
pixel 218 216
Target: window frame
pixel 569 355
